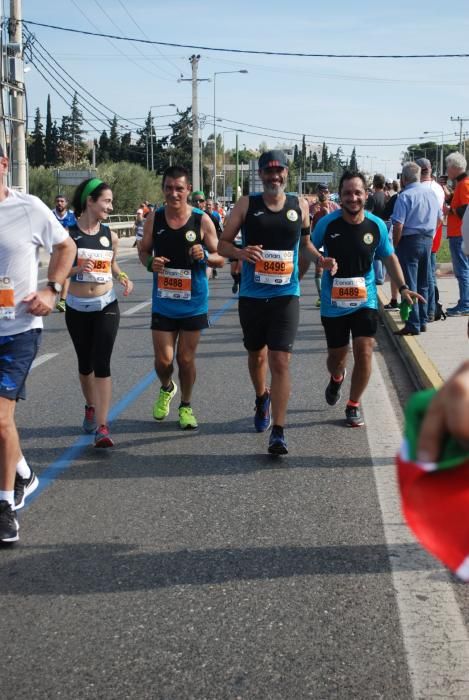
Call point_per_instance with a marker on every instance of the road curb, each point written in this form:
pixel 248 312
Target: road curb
pixel 420 366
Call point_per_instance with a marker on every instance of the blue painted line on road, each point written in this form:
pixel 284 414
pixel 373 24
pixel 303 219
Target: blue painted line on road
pixel 53 470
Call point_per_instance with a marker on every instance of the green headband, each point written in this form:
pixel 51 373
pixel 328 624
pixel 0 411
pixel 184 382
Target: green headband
pixel 89 188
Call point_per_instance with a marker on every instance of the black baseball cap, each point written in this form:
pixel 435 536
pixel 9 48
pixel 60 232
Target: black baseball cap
pixel 273 159
pixel 323 186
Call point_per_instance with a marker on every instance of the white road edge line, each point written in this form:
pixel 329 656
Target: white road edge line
pixel 43 358
pixel 435 636
pixel 134 309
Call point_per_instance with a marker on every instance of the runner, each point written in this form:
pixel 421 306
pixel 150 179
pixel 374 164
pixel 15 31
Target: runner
pixel 92 313
pixel 274 225
pixel 139 223
pixel 349 302
pixel 67 218
pixel 179 241
pixel 26 224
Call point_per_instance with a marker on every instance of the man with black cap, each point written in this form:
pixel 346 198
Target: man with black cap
pixel 25 225
pixel 274 226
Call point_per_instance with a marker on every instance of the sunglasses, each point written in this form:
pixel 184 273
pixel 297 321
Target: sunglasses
pixel 197 201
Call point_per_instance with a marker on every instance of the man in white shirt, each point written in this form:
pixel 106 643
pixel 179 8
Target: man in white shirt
pixel 26 224
pixel 427 179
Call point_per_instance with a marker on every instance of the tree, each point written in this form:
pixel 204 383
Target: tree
pixel 114 142
pixel 181 139
pixel 76 123
pixel 102 154
pixel 325 157
pixel 36 150
pixel 314 161
pixel 51 139
pixel 353 165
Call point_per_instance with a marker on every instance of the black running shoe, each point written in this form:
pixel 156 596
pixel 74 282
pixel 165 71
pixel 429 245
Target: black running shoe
pixel 277 442
pixel 353 417
pixel 23 488
pixel 333 390
pixel 8 523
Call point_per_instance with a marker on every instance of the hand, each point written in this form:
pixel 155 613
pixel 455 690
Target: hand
pixel 127 284
pixel 40 303
pixel 86 265
pixel 447 413
pixel 328 264
pixel 196 252
pixel 159 263
pixel 252 253
pixel 411 297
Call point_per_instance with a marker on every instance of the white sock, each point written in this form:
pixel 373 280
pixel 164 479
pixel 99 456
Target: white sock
pixel 23 469
pixel 8 496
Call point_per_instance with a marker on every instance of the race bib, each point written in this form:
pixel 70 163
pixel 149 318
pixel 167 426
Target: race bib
pixel 7 299
pixel 174 284
pixel 101 271
pixel 349 292
pixel 276 267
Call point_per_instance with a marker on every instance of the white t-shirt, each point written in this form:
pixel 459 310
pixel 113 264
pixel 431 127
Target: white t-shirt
pixel 26 224
pixel 438 190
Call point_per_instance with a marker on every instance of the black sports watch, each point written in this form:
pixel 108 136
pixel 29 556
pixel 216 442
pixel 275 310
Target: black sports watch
pixel 55 286
pixel 403 288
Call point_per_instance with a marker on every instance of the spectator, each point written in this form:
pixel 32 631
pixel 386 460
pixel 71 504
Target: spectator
pixel 376 203
pixel 457 202
pixel 427 180
pixel 415 218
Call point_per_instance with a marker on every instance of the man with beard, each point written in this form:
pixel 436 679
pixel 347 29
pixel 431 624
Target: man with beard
pixel 274 225
pixel 349 304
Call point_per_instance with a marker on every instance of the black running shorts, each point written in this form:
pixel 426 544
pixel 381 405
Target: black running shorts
pixel 361 323
pixel 272 322
pixel 189 323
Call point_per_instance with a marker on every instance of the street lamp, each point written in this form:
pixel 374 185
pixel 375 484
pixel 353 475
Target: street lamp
pixel 220 72
pixel 441 152
pixel 170 104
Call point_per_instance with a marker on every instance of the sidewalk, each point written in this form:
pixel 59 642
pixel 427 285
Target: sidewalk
pixel 434 355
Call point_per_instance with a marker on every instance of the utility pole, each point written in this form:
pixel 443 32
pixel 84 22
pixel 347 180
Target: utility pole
pixel 194 61
pixel 237 171
pixel 18 132
pixel 3 142
pixel 461 121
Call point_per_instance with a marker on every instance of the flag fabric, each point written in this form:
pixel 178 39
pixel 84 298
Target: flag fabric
pixel 435 496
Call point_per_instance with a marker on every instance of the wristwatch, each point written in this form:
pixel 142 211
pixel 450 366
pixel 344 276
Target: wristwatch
pixel 403 288
pixel 55 286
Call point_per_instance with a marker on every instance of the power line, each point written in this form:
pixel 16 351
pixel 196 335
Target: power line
pixel 109 39
pixel 166 58
pixel 106 14
pixel 244 51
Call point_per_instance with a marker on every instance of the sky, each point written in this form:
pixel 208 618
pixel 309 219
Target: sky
pixel 377 105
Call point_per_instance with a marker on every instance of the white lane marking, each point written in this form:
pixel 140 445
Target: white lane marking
pixel 435 636
pixel 134 309
pixel 43 358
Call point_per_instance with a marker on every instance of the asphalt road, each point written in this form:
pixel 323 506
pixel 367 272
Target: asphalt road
pixel 182 566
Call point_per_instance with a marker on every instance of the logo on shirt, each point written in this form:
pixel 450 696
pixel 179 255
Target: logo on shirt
pixel 334 235
pixel 104 241
pixel 258 213
pixel 368 238
pixel 160 231
pixel 292 215
pixel 191 236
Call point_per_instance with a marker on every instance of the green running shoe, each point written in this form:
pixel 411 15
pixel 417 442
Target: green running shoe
pixel 162 403
pixel 187 420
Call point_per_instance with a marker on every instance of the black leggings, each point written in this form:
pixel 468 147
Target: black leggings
pixel 93 334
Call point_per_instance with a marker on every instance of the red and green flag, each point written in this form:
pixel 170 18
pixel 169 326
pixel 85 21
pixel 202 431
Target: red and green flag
pixel 435 497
